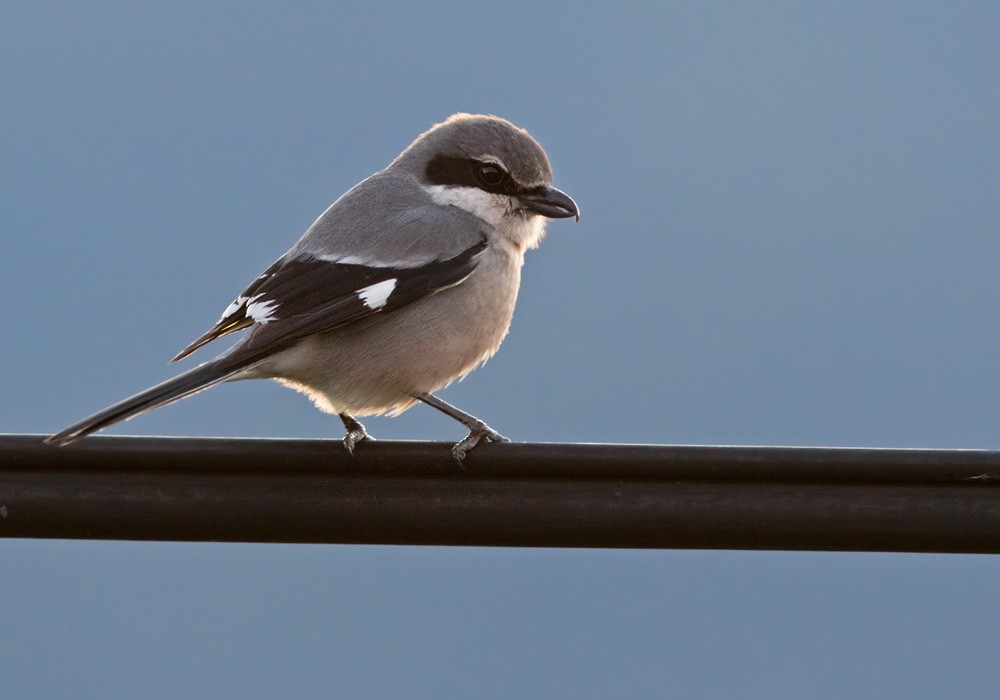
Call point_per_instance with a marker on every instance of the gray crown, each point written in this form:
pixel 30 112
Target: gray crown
pixel 480 137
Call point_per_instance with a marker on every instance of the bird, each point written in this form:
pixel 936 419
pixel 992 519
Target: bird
pixel 405 283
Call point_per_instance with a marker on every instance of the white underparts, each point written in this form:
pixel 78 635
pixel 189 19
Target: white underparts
pixel 376 295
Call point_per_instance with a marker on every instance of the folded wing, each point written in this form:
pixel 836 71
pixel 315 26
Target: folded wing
pixel 304 294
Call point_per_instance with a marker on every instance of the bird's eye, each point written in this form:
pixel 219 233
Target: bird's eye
pixel 491 175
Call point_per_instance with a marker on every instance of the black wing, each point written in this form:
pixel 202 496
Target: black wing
pixel 304 295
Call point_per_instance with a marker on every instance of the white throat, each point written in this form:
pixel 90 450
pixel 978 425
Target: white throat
pixel 498 210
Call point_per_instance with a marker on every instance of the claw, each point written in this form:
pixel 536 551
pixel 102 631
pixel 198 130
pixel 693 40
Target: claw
pixel 479 432
pixel 355 433
pixel 477 429
pixel 353 437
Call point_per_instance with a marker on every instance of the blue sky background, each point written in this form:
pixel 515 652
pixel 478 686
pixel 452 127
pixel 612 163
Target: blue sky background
pixel 789 236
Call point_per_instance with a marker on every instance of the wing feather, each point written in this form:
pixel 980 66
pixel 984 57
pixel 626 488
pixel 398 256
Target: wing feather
pixel 303 295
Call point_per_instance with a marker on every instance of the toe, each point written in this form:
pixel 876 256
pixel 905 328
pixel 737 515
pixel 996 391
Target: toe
pixel 494 436
pixel 349 443
pixel 352 439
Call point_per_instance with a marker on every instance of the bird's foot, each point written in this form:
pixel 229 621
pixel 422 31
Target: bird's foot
pixel 355 433
pixel 479 431
pixel 353 437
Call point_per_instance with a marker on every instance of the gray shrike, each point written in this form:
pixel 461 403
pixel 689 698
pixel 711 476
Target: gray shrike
pixel 405 283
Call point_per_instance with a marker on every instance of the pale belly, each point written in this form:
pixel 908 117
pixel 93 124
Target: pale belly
pixel 376 366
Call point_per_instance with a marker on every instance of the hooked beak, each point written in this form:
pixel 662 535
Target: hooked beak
pixel 552 203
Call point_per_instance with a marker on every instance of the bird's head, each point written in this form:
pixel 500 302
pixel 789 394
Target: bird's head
pixel 492 169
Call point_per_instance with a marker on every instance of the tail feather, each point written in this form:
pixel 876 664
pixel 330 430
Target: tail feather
pixel 181 386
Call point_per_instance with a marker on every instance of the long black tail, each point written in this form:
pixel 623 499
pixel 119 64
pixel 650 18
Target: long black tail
pixel 181 386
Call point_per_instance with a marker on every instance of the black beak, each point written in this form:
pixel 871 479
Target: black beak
pixel 552 203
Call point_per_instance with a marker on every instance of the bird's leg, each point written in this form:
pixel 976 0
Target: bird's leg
pixel 477 428
pixel 355 432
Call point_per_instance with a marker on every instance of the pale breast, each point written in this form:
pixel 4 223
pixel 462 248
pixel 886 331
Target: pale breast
pixel 376 365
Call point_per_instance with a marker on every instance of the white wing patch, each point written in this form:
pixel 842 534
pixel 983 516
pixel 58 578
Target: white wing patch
pixel 402 263
pixel 376 295
pixel 350 260
pixel 261 311
pixel 233 308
